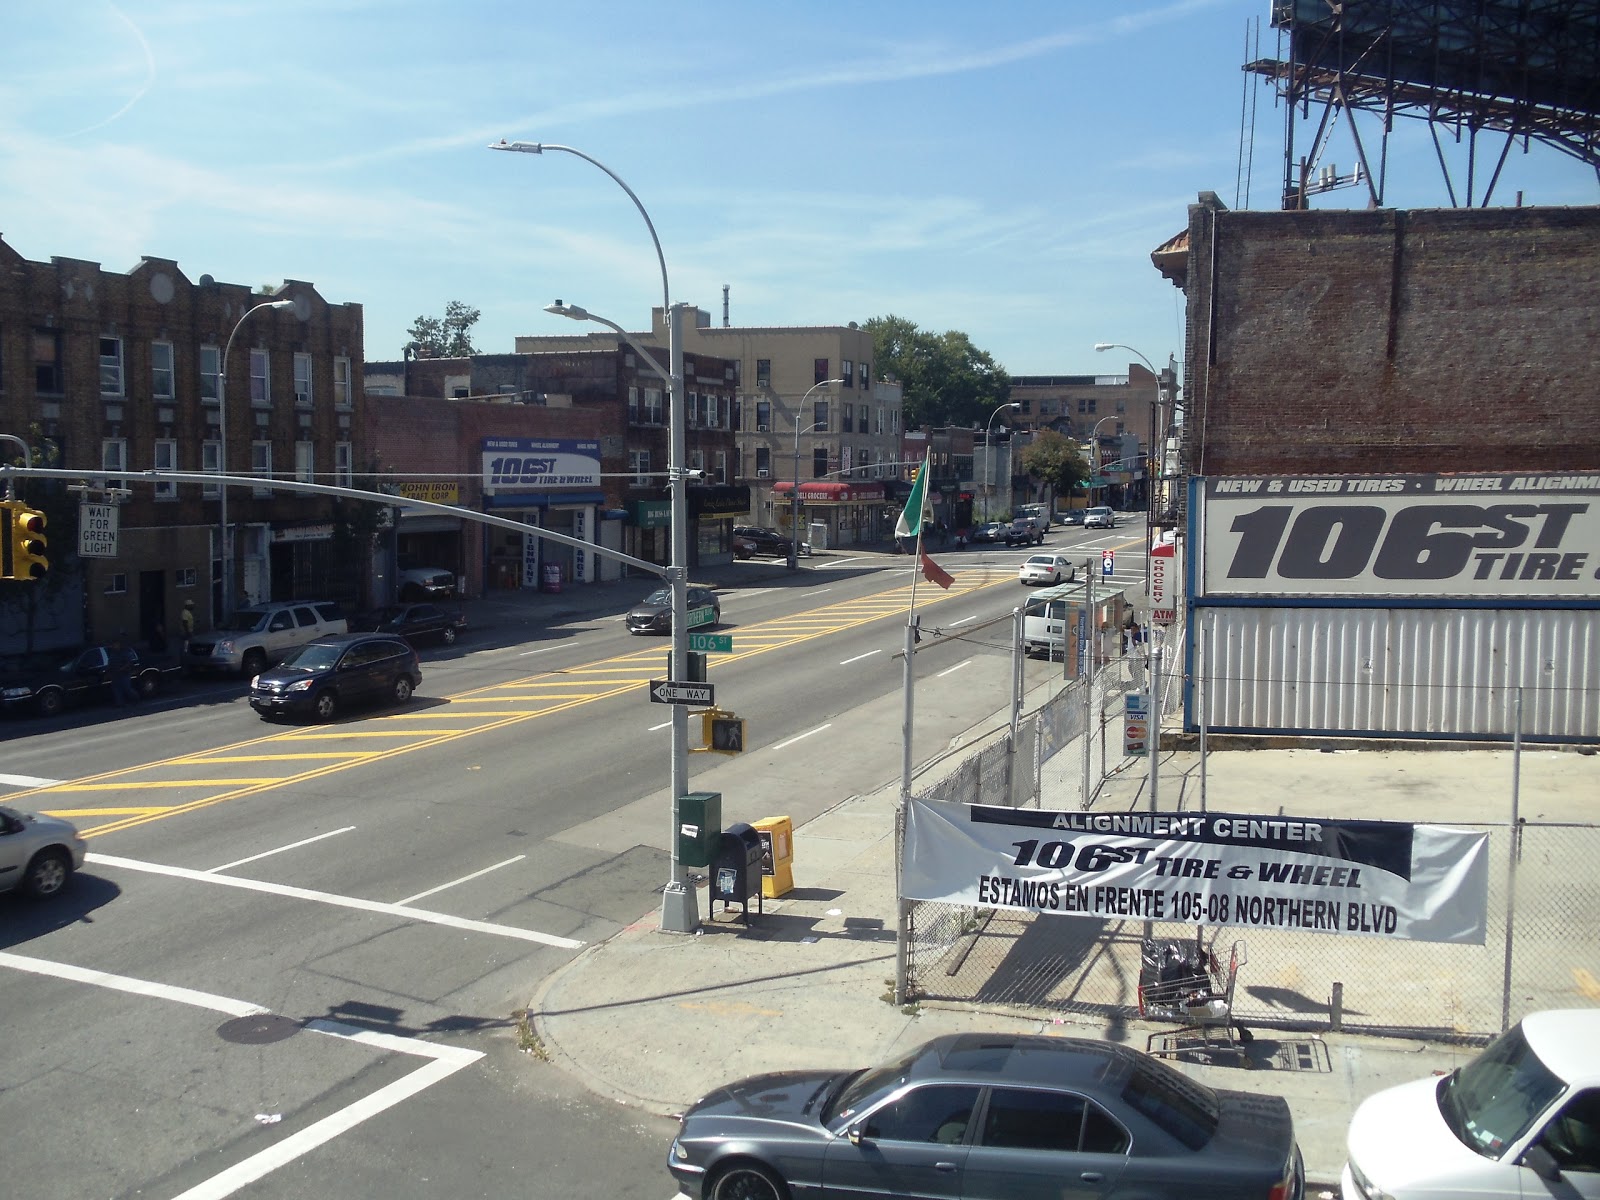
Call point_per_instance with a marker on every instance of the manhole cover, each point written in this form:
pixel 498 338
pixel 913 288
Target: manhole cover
pixel 258 1029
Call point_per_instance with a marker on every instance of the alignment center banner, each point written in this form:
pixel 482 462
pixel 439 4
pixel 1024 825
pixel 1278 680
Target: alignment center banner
pixel 1423 883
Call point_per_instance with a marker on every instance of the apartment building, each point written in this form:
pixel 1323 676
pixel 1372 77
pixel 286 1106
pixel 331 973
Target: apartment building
pixel 125 372
pixel 811 408
pixel 1112 415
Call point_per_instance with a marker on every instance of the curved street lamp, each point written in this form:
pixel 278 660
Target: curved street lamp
pixel 794 501
pixel 679 908
pixel 988 454
pixel 222 451
pixel 1094 449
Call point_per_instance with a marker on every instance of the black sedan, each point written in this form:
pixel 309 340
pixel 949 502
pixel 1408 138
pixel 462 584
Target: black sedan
pixel 414 622
pixel 985 1116
pixel 653 614
pixel 324 676
pixel 991 531
pixel 770 541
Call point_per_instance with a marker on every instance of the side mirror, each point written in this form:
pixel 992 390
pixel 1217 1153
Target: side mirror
pixel 1541 1162
pixel 854 1134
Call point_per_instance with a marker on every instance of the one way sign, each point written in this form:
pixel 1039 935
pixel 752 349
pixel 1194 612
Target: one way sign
pixel 664 691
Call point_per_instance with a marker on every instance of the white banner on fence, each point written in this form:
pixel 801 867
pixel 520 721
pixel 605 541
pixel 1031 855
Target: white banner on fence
pixel 1422 883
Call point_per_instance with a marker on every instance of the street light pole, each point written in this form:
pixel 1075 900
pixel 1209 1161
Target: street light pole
pixel 679 908
pixel 988 454
pixel 794 501
pixel 222 453
pixel 1094 449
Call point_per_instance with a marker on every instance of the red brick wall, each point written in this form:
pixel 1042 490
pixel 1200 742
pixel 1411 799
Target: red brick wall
pixel 1390 340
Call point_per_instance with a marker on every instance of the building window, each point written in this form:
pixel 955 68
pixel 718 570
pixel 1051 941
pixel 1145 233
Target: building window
pixel 343 475
pixel 210 373
pixel 763 416
pixel 863 425
pixel 211 464
pixel 722 466
pixel 341 383
pixel 184 577
pixel 639 464
pixel 304 463
pixel 880 419
pixel 652 406
pixel 763 372
pixel 847 372
pixel 763 461
pixel 260 377
pixel 865 372
pixel 261 465
pixel 633 405
pixel 302 380
pixel 166 460
pixel 111 366
pixel 819 417
pixel 47 373
pixel 819 369
pixel 161 377
pixel 118 585
pixel 847 418
pixel 819 461
pixel 114 457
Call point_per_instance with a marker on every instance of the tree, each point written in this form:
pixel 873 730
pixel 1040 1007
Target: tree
pixel 449 336
pixel 947 380
pixel 1056 460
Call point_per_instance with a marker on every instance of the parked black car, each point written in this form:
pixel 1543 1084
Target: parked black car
pixel 988 1115
pixel 770 541
pixel 653 614
pixel 1025 531
pixel 321 677
pixel 414 622
pixel 47 682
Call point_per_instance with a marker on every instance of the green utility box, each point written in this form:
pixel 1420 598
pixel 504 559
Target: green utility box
pixel 699 828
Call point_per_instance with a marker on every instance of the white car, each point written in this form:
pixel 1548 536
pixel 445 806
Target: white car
pixel 38 854
pixel 1100 517
pixel 1520 1120
pixel 1046 568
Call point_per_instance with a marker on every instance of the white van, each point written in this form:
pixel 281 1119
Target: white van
pixel 1052 615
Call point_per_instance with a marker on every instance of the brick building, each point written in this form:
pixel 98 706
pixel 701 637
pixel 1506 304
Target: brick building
pixel 104 370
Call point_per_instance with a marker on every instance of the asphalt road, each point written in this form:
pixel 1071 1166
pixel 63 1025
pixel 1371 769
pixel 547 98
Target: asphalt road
pixel 294 961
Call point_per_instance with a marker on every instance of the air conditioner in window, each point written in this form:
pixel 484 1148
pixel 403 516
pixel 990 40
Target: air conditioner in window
pixel 763 428
pixel 763 473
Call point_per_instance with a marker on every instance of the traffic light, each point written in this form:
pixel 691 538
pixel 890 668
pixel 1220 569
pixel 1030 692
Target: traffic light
pixel 915 471
pixel 727 734
pixel 22 542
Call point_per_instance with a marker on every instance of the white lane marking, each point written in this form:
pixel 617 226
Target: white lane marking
pixel 444 1062
pixel 137 987
pixel 802 736
pixel 660 727
pixel 964 620
pixel 952 670
pixel 463 879
pixel 544 650
pixel 858 658
pixel 338 901
pixel 28 781
pixel 269 853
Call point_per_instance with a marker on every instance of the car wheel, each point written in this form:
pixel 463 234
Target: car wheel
pixel 325 705
pixel 448 636
pixel 253 663
pixel 402 689
pixel 50 702
pixel 145 685
pixel 47 874
pixel 746 1181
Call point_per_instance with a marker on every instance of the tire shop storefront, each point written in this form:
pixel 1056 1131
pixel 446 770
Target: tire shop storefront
pixel 850 513
pixel 552 484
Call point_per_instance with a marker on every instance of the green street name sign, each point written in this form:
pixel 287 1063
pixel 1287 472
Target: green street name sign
pixel 704 615
pixel 721 643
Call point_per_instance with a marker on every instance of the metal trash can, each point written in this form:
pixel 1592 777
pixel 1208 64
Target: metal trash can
pixel 736 873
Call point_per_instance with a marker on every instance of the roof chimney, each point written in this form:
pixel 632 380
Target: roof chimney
pixel 725 306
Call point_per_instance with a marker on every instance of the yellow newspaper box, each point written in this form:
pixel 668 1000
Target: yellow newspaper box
pixel 777 855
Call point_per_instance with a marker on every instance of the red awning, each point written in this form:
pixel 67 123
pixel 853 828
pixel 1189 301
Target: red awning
pixel 823 491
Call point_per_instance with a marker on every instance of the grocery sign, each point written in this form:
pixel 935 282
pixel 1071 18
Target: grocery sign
pixel 1491 536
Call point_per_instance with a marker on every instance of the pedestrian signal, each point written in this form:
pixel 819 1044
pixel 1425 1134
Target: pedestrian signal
pixel 723 732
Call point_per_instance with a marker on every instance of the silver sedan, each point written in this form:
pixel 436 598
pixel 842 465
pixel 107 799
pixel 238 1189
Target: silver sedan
pixel 38 854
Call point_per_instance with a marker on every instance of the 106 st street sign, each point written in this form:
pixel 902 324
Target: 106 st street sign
pixel 721 643
pixel 664 691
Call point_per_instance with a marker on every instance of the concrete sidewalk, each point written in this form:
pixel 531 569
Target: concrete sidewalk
pixel 655 1020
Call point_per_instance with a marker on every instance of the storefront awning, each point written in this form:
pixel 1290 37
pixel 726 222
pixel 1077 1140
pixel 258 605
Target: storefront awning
pixel 831 492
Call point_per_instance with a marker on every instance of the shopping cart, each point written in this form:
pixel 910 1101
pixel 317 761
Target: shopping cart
pixel 1183 981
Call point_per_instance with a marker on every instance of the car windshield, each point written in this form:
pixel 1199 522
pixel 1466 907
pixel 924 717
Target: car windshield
pixel 1185 1109
pixel 244 621
pixel 859 1089
pixel 662 595
pixel 313 656
pixel 1495 1099
pixel 1043 560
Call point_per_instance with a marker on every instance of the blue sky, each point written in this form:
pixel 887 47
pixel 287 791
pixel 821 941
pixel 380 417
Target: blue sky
pixel 1003 169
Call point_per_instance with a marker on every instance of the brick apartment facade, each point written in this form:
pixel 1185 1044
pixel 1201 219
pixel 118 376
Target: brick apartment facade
pixel 100 369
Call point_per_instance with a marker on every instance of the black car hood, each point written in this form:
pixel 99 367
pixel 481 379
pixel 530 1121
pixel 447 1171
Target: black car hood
pixel 781 1096
pixel 646 611
pixel 1252 1125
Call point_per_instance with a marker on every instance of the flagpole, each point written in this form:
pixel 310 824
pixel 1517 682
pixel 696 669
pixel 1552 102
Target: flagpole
pixel 902 924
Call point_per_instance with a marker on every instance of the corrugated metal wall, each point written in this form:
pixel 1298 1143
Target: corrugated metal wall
pixel 1401 672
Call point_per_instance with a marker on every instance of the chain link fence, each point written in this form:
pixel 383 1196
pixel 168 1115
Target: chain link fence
pixel 1542 947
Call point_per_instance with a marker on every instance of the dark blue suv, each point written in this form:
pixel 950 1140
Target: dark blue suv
pixel 320 678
